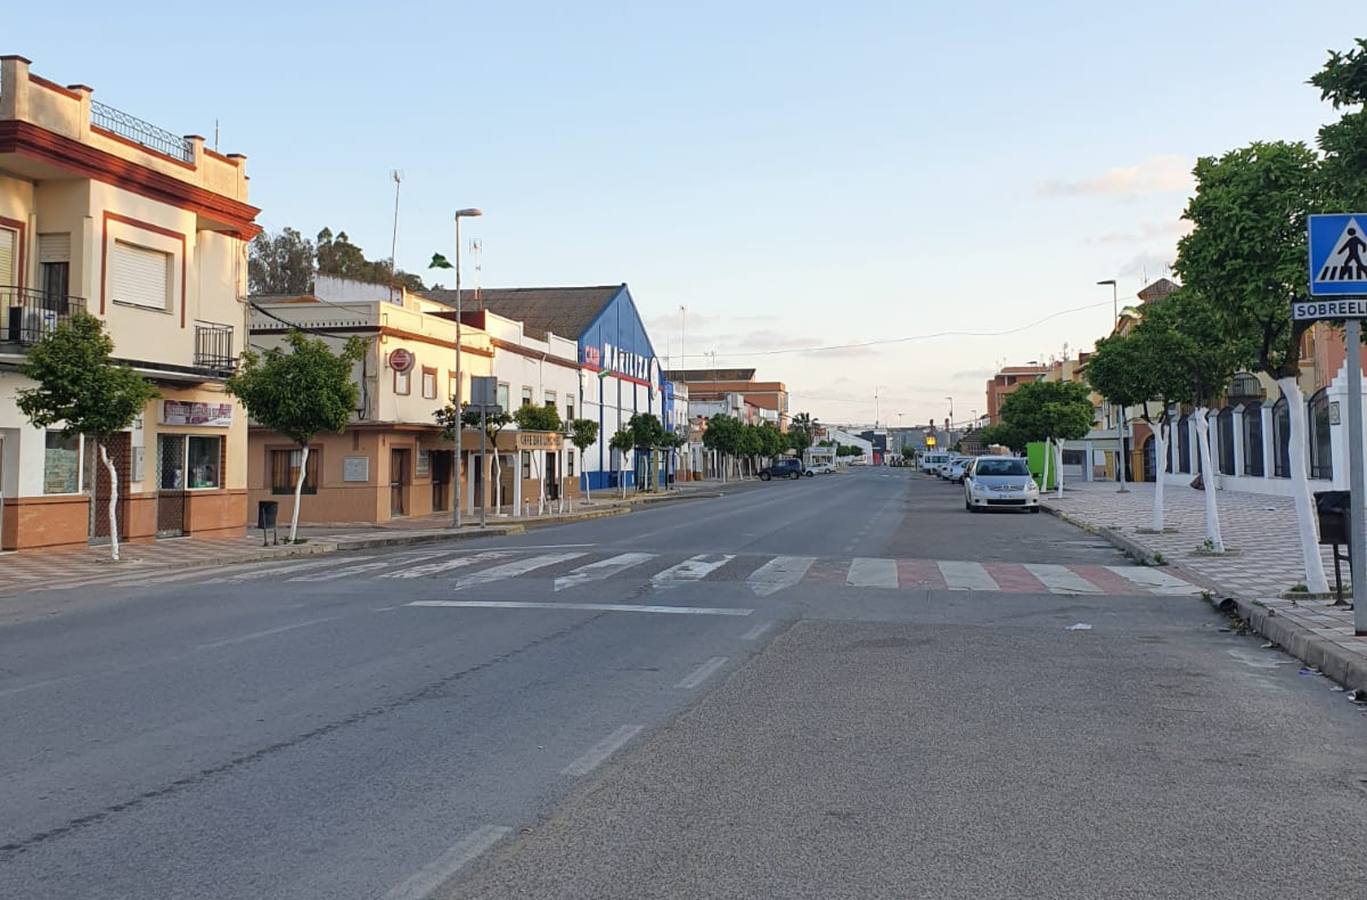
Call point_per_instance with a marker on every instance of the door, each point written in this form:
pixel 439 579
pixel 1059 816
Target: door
pixel 552 473
pixel 1150 461
pixel 398 482
pixel 441 479
pixel 170 485
pixel 119 454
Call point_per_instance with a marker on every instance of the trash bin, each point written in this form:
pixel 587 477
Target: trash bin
pixel 1334 509
pixel 267 511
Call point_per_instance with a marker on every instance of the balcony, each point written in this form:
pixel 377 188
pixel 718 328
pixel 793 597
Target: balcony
pixel 139 132
pixel 214 348
pixel 26 315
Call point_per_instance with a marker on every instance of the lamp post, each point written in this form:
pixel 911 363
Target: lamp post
pixel 460 426
pixel 951 412
pixel 1120 419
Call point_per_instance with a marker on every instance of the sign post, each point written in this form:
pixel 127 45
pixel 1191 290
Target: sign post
pixel 1338 268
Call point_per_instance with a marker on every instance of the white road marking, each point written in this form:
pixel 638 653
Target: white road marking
pixel 702 673
pixel 1156 581
pixel 604 568
pixel 779 573
pixel 869 572
pixel 512 569
pixel 342 573
pixel 589 607
pixel 440 870
pixel 966 576
pixel 600 751
pixel 754 633
pixel 459 562
pixel 275 568
pixel 260 634
pixel 1061 579
pixel 695 568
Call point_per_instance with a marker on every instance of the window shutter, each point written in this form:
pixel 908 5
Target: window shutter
pixel 7 241
pixel 54 248
pixel 140 276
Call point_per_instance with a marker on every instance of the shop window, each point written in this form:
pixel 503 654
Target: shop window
pixel 205 461
pixel 429 383
pixel 1253 439
pixel 1224 425
pixel 285 471
pixel 1281 439
pixel 403 382
pixel 1184 445
pixel 526 396
pixel 1321 448
pixel 62 464
pixel 569 463
pixel 503 396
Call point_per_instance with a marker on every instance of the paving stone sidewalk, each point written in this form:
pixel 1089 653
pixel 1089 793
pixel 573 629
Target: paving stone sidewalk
pixel 1264 563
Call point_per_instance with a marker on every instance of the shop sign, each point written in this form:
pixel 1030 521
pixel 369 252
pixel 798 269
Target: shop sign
pixel 192 412
pixel 356 468
pixel 402 360
pixel 538 440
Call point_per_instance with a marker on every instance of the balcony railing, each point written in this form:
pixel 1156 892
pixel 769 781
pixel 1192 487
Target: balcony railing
pixel 26 315
pixel 214 347
pixel 145 133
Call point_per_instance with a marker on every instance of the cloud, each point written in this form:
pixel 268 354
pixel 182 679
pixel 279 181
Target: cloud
pixel 1168 230
pixel 1155 175
pixel 973 374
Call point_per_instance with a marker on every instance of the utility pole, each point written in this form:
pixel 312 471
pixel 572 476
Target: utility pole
pixel 394 237
pixel 460 426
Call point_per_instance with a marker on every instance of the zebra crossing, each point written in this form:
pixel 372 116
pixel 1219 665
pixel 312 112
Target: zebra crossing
pixel 460 571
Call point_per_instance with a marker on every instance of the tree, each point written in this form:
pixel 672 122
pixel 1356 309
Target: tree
pixel 280 263
pixel 1246 257
pixel 583 435
pixel 82 389
pixel 646 434
pixel 1049 411
pixel 723 437
pixel 299 394
pixel 671 442
pixel 1343 83
pixel 801 431
pixel 623 442
pixel 537 418
pixel 470 418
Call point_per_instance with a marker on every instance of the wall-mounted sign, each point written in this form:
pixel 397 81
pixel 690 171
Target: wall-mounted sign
pixel 402 360
pixel 424 467
pixel 356 468
pixel 192 412
pixel 539 440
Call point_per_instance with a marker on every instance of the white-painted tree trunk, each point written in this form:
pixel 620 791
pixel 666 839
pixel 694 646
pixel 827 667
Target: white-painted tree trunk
pixel 1058 465
pixel 299 491
pixel 1048 461
pixel 1160 459
pixel 588 482
pixel 113 501
pixel 498 484
pixel 1307 520
pixel 1217 543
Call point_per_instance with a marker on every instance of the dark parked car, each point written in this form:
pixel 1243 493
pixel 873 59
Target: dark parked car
pixel 790 467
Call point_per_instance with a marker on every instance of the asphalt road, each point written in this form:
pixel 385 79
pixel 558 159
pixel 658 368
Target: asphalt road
pixel 783 697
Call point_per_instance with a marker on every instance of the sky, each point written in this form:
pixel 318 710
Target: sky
pixel 792 175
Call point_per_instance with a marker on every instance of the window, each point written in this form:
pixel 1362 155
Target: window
pixel 1008 466
pixel 452 388
pixel 62 464
pixel 285 471
pixel 569 463
pixel 1321 449
pixel 569 410
pixel 1281 439
pixel 1224 424
pixel 140 277
pixel 526 464
pixel 429 383
pixel 526 396
pixel 503 396
pixel 403 382
pixel 1253 439
pixel 9 240
pixel 1184 445
pixel 205 461
pixel 54 256
pixel 550 399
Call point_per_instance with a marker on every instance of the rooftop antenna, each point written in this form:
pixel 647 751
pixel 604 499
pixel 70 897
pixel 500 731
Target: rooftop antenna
pixel 394 239
pixel 476 247
pixel 215 135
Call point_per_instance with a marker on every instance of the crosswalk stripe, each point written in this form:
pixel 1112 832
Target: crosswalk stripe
pixel 277 568
pixel 604 568
pixel 1157 581
pixel 1108 581
pixel 459 562
pixel 341 573
pixel 919 573
pixel 779 573
pixel 695 568
pixel 966 576
pixel 871 572
pixel 512 569
pixel 1061 579
pixel 1015 578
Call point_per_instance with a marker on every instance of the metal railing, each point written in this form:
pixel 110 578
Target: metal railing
pixel 214 347
pixel 145 133
pixel 26 315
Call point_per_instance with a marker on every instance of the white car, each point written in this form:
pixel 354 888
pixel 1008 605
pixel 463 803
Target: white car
pixel 1000 482
pixel 819 469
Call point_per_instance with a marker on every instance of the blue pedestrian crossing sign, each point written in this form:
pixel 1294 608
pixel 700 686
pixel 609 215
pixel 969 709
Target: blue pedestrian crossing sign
pixel 1338 255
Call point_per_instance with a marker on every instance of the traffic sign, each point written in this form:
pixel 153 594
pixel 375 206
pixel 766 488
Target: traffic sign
pixel 401 360
pixel 1347 308
pixel 1338 255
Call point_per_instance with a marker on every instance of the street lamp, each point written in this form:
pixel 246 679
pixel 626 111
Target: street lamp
pixel 460 426
pixel 1120 420
pixel 951 412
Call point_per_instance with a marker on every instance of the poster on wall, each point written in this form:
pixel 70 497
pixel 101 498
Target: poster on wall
pixel 424 463
pixel 356 468
pixel 193 412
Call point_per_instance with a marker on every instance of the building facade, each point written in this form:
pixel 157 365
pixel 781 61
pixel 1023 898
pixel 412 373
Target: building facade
pixel 769 398
pixel 146 230
pixel 1005 383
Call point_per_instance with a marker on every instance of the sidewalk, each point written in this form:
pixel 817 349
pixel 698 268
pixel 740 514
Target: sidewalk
pixel 31 570
pixel 1262 564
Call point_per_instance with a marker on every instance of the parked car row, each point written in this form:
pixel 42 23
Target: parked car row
pixel 991 482
pixel 791 467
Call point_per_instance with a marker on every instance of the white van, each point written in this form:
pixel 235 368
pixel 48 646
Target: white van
pixel 930 460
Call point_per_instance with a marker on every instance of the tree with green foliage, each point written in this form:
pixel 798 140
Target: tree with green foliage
pixel 82 389
pixel 1052 412
pixel 623 442
pixel 280 263
pixel 1343 84
pixel 469 417
pixel 583 435
pixel 802 431
pixel 299 394
pixel 671 442
pixel 723 437
pixel 531 417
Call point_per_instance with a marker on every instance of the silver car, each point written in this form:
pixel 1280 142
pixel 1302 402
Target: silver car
pixel 1000 482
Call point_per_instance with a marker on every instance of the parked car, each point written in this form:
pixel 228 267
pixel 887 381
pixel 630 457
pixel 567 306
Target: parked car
pixel 955 471
pixel 1000 482
pixel 789 467
pixel 820 468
